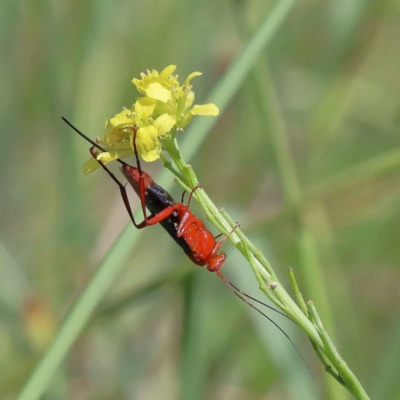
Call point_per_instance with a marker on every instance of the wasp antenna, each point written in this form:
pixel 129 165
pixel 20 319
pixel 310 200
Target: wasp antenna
pixel 136 152
pixel 235 290
pixel 286 335
pixel 80 133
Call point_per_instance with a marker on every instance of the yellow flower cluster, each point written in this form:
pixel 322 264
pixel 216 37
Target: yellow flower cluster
pixel 165 105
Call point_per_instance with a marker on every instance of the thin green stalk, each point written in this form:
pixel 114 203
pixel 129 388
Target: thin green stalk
pixel 238 238
pixel 268 289
pixel 373 169
pixel 303 307
pixel 297 292
pixel 167 164
pixel 119 305
pixel 351 381
pixel 267 278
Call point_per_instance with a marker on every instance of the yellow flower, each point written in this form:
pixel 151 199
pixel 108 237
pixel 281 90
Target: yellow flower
pixel 165 105
pixel 157 85
pixel 174 102
pixel 120 132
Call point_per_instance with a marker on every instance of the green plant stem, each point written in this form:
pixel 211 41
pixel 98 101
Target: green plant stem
pixel 350 380
pixel 265 274
pixel 297 292
pixel 258 261
pixel 303 307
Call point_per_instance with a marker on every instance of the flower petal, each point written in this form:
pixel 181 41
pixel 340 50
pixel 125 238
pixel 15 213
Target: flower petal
pixel 144 107
pixel 152 155
pixel 125 117
pixel 107 157
pixel 164 123
pixel 90 166
pixel 183 122
pixel 190 77
pixel 138 84
pixel 166 72
pixel 205 109
pixel 189 100
pixel 158 92
pixel 147 143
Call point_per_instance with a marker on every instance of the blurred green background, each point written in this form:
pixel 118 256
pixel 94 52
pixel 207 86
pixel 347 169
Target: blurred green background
pixel 306 157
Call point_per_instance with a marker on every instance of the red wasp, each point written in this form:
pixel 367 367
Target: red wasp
pixel 184 227
pixel 188 231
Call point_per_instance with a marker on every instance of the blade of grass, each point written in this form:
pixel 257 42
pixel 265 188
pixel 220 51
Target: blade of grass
pixel 233 79
pixel 363 172
pixel 352 52
pixel 348 180
pixel 309 256
pixel 195 349
pixel 118 254
pixel 79 314
pixel 119 305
